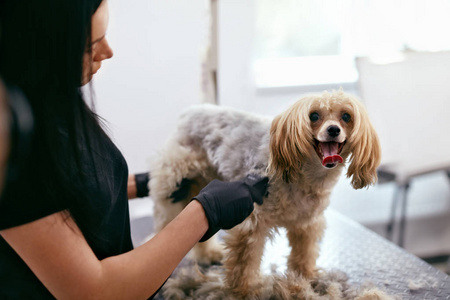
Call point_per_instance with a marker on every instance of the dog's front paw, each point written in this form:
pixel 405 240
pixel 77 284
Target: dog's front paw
pixel 248 287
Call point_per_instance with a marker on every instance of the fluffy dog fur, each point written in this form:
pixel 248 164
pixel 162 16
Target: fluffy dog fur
pixel 217 142
pixel 194 282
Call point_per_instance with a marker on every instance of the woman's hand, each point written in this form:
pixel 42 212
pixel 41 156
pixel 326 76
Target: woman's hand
pixel 227 204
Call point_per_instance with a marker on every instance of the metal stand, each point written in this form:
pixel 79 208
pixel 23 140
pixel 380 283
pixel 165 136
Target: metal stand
pixel 400 191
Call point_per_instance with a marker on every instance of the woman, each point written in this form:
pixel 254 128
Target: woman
pixel 64 224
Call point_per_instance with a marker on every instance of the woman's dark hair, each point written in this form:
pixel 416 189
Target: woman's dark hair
pixel 42 44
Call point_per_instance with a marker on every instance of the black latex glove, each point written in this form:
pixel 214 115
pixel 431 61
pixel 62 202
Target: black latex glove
pixel 227 204
pixel 142 180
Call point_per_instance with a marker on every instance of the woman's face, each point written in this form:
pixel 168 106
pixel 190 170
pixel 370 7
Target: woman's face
pixel 99 46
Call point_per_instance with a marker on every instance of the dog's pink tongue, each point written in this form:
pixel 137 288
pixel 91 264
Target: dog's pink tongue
pixel 330 153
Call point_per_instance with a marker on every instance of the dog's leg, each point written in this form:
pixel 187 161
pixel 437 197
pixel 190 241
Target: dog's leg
pixel 305 248
pixel 209 252
pixel 167 174
pixel 177 177
pixel 164 212
pixel 245 248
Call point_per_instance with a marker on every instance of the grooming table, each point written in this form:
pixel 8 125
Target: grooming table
pixel 369 259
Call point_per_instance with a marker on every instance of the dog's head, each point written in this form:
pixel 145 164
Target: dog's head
pixel 323 130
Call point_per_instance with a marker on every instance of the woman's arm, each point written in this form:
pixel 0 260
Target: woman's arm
pixel 56 251
pixel 131 189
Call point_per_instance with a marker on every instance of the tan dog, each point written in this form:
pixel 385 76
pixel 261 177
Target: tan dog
pixel 303 151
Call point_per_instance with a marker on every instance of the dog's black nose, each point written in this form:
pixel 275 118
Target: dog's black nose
pixel 333 131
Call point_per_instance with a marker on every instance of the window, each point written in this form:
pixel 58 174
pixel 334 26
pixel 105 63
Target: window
pixel 309 42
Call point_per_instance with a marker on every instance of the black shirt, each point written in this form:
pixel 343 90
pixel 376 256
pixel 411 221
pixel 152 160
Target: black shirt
pixel 108 235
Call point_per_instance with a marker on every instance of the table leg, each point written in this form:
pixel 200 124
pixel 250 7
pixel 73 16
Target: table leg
pixel 401 240
pixel 390 225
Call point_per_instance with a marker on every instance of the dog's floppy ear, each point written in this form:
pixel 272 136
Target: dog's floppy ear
pixel 289 143
pixel 366 150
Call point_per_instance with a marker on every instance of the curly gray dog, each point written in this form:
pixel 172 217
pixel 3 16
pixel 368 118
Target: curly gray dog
pixel 302 151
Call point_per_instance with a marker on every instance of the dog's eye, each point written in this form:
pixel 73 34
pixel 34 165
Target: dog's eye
pixel 346 117
pixel 314 117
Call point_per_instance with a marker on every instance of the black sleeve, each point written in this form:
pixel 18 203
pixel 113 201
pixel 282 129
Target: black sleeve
pixel 30 197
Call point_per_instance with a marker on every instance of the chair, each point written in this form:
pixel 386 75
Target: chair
pixel 408 99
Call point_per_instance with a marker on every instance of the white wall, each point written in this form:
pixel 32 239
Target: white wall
pixel 154 74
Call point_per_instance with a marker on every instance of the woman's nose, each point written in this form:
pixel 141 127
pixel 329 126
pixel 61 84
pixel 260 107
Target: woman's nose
pixel 105 51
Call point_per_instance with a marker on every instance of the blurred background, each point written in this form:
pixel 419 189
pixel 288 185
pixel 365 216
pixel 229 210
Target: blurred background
pixel 262 55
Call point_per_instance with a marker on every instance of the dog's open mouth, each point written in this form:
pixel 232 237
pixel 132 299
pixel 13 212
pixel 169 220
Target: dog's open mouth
pixel 329 153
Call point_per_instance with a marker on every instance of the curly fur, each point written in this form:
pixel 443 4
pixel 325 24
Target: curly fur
pixel 216 142
pixel 194 282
